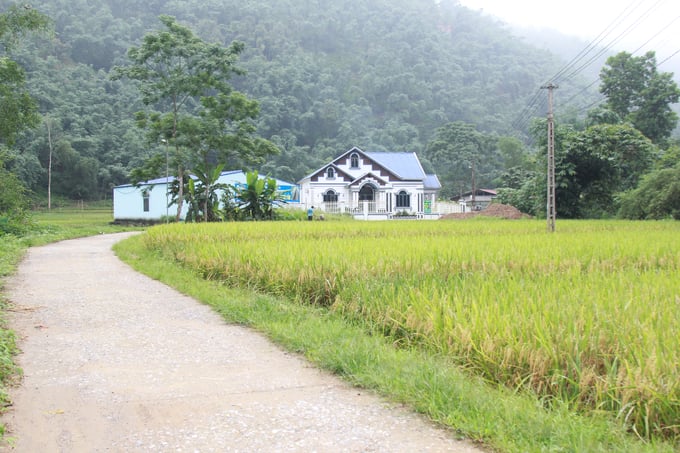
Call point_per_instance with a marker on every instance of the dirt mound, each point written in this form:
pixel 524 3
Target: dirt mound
pixel 502 211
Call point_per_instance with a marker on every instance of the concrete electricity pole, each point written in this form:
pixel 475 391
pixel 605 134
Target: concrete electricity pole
pixel 551 210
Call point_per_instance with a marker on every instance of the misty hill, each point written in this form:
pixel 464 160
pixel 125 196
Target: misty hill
pixel 382 75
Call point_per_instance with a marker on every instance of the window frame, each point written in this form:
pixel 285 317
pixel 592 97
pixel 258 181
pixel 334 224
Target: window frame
pixel 146 201
pixel 354 160
pixel 330 196
pixel 402 196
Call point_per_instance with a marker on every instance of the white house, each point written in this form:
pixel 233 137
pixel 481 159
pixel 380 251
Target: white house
pixel 372 185
pixel 149 200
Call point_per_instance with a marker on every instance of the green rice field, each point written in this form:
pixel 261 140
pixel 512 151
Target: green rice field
pixel 588 316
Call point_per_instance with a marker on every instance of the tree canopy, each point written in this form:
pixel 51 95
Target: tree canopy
pixel 17 108
pixel 201 116
pixel 380 75
pixel 465 158
pixel 638 93
pixel 18 111
pixel 316 79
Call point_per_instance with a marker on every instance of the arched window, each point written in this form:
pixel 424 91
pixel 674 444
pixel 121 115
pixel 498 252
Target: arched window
pixel 354 160
pixel 330 196
pixel 403 199
pixel 330 173
pixel 367 193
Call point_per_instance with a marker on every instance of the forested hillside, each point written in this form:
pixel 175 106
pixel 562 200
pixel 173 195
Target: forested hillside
pixel 381 75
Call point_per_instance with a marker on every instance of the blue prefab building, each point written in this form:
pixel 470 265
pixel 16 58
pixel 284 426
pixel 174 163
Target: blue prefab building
pixel 148 201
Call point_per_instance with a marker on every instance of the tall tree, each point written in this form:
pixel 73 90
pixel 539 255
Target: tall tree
pixel 463 156
pixel 599 163
pixel 638 93
pixel 173 69
pixel 19 110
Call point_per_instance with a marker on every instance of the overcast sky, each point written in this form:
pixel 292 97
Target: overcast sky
pixel 631 23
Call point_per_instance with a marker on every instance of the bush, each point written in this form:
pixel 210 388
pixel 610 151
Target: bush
pixel 14 204
pixel 657 197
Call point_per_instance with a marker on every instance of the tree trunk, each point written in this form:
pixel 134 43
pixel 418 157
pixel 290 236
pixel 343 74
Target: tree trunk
pixel 49 164
pixel 180 194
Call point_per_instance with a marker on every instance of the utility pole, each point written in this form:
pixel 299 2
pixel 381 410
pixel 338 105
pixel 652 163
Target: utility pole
pixel 48 124
pixel 551 210
pixel 474 187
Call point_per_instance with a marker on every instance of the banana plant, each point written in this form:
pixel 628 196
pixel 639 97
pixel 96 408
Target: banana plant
pixel 258 199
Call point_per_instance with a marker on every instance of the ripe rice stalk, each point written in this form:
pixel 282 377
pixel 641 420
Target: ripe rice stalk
pixel 588 315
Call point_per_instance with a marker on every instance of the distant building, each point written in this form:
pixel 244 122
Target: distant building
pixel 372 185
pixel 148 201
pixel 482 199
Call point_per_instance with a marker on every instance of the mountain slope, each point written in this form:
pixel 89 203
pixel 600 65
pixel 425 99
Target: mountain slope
pixel 382 75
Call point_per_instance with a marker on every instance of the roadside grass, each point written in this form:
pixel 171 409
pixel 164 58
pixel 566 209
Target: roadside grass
pixel 56 225
pixel 11 251
pixel 497 418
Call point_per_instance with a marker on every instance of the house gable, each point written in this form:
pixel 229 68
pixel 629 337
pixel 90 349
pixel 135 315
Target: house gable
pixel 367 164
pixel 340 175
pixel 369 177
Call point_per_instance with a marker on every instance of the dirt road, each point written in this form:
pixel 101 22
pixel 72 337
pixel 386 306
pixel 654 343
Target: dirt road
pixel 117 362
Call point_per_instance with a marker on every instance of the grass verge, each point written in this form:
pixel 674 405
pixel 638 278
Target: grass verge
pixel 11 251
pixel 496 417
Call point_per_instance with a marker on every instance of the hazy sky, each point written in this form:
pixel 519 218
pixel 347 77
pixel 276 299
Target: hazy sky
pixel 631 23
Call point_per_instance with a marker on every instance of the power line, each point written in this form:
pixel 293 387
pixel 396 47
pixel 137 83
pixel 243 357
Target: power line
pixel 528 112
pixel 656 34
pixel 598 39
pixel 618 38
pixel 668 58
pixel 576 65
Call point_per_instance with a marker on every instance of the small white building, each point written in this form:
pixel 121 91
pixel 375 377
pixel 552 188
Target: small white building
pixel 372 186
pixel 482 199
pixel 148 201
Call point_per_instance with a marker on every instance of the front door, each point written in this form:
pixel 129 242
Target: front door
pixel 367 193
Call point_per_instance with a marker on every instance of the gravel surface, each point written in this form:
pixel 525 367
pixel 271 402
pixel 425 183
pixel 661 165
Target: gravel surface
pixel 116 362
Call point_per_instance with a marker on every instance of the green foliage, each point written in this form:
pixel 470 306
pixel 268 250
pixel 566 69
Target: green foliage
pixel 657 197
pixel 201 192
pixel 204 118
pixel 597 164
pixel 18 110
pixel 317 83
pixel 257 200
pixel 174 66
pixel 638 93
pixel 526 197
pixel 463 157
pixel 593 167
pixel 17 21
pixel 14 204
pixel 11 251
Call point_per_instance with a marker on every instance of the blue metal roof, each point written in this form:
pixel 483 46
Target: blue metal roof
pixel 406 165
pixel 229 177
pixel 432 182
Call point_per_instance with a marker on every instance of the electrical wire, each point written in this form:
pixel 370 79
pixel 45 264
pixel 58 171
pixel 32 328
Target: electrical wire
pixel 597 40
pixel 618 38
pixel 570 70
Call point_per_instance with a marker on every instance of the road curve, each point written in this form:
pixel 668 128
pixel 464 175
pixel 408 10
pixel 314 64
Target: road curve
pixel 116 362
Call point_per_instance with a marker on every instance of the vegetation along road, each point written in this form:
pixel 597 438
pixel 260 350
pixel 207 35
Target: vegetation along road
pixel 115 361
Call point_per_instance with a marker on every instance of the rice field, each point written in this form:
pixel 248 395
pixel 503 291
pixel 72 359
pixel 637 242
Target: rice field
pixel 589 315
